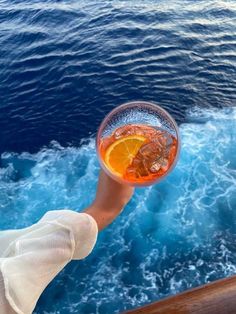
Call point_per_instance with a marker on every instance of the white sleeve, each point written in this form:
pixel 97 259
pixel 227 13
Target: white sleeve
pixel 33 259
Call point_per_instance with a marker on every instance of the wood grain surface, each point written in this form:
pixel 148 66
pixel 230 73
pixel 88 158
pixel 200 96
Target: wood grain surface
pixel 218 297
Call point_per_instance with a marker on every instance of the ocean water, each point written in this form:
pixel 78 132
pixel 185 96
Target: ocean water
pixel 63 66
pixel 172 236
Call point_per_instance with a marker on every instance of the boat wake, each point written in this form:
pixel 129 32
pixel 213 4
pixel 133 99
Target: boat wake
pixel 172 236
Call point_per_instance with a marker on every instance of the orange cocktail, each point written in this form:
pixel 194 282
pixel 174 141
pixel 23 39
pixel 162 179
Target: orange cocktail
pixel 138 143
pixel 138 153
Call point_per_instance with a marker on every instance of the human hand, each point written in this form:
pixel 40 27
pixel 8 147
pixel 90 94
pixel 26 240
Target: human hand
pixel 111 197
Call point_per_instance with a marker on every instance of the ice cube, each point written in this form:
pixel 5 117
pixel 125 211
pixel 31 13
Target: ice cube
pixel 136 161
pixel 169 140
pixel 164 164
pixel 142 170
pixel 150 150
pixel 131 171
pixel 131 129
pixel 160 141
pixel 149 132
pixel 124 130
pixel 146 149
pixel 155 167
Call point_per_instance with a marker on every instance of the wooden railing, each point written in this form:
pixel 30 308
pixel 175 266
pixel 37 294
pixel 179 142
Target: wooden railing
pixel 218 297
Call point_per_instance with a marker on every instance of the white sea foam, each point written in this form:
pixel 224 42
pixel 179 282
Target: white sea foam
pixel 172 236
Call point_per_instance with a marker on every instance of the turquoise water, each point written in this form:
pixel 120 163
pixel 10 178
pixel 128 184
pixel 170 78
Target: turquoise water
pixel 63 66
pixel 172 236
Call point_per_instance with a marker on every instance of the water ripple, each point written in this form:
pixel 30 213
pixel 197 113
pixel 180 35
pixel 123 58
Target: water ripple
pixel 75 61
pixel 90 57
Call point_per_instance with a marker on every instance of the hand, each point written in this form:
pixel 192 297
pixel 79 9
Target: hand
pixel 111 197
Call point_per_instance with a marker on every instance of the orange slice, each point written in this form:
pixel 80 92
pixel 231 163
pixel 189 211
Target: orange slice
pixel 121 153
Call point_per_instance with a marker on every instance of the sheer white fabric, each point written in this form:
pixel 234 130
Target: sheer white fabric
pixel 30 258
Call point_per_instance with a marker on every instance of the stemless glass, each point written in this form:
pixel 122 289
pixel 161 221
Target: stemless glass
pixel 129 124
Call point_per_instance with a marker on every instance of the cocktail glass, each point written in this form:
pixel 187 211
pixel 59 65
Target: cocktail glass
pixel 138 143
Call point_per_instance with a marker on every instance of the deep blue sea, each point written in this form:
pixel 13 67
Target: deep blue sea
pixel 63 66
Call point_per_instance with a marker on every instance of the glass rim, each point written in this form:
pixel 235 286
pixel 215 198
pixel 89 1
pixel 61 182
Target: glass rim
pixel 123 106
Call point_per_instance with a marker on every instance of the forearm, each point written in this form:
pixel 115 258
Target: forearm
pixel 111 197
pixel 102 216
